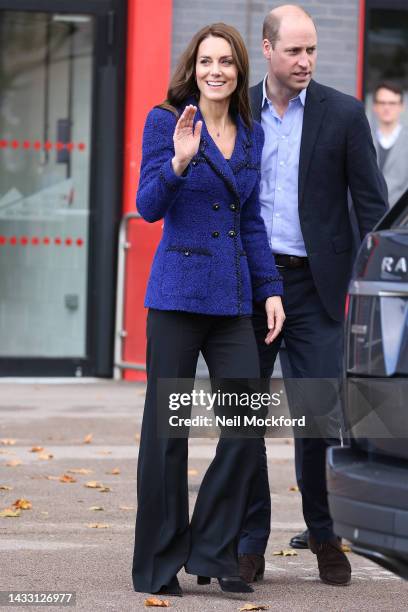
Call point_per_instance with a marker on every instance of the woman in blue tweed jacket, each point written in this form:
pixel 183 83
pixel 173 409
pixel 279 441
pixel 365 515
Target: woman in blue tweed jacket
pixel 200 172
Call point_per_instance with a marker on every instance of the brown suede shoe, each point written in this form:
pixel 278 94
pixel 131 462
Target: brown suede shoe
pixel 251 567
pixel 334 567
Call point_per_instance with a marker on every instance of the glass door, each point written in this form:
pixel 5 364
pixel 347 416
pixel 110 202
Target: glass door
pixel 51 66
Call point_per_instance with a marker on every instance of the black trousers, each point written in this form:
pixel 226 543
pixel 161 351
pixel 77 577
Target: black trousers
pixel 165 539
pixel 314 348
pixel 287 373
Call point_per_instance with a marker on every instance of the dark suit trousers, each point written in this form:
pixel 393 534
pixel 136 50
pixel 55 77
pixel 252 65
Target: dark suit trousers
pixel 287 373
pixel 165 539
pixel 314 349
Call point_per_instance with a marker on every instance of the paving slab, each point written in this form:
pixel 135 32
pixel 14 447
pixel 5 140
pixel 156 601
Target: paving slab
pixel 52 546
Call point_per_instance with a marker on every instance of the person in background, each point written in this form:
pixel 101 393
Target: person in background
pixel 391 138
pixel 318 146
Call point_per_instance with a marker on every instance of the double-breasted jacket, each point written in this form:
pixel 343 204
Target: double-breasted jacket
pixel 214 257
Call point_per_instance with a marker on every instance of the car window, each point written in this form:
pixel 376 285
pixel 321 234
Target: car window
pixel 401 222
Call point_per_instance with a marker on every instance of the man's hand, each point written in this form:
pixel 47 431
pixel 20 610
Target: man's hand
pixel 276 317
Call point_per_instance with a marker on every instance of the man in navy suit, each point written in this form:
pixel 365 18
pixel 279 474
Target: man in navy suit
pixel 317 147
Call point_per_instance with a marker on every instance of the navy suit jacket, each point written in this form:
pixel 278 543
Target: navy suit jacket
pixel 336 154
pixel 214 256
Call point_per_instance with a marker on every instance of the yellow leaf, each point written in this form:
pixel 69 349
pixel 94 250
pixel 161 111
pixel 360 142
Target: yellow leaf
pixel 22 504
pixel 345 548
pixel 14 463
pixel 88 439
pixel 285 553
pixel 251 606
pixel 5 488
pixel 67 478
pixel 192 472
pixel 96 508
pixel 127 508
pixel 45 456
pixel 36 449
pixel 98 525
pixel 80 471
pixel 295 488
pixel 7 442
pixel 156 602
pixel 115 471
pixel 10 513
pixel 93 484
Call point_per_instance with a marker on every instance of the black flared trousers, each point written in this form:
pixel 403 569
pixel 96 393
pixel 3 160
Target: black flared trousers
pixel 165 538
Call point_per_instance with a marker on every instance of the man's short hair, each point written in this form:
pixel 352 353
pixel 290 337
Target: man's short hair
pixel 272 22
pixel 391 86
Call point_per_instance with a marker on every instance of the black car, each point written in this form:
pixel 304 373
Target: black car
pixel 368 477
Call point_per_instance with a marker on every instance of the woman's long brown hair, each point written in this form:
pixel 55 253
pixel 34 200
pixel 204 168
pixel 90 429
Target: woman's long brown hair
pixel 183 83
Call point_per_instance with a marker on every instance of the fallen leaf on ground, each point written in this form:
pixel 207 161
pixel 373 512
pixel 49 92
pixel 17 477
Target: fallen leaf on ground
pixel 345 548
pixel 22 504
pixel 251 606
pixel 192 472
pixel 5 488
pixel 96 508
pixel 156 602
pixel 98 525
pixel 93 484
pixel 127 508
pixel 88 439
pixel 80 471
pixel 285 553
pixel 66 478
pixel 36 449
pixel 105 452
pixel 295 488
pixel 45 456
pixel 10 513
pixel 14 463
pixel 7 441
pixel 115 471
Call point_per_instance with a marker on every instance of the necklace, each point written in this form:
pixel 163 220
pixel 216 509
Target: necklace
pixel 218 131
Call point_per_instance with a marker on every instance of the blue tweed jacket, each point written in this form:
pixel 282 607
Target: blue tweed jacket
pixel 214 256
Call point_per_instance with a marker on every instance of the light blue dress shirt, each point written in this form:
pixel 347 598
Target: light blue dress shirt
pixel 280 173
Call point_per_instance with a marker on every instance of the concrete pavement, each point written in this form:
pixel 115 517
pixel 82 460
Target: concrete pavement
pixel 52 546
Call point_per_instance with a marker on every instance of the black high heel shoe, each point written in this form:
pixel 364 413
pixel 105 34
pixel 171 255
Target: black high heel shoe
pixel 228 584
pixel 173 588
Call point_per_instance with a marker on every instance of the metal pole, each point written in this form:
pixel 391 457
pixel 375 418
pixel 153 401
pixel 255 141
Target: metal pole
pixel 120 332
